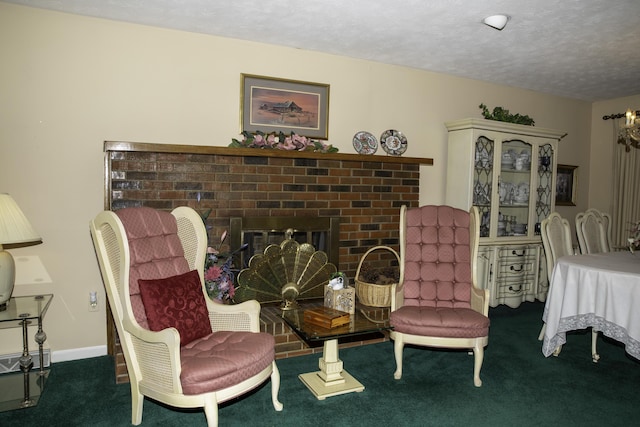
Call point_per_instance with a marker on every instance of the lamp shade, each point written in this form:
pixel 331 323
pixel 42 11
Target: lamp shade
pixel 15 231
pixel 15 228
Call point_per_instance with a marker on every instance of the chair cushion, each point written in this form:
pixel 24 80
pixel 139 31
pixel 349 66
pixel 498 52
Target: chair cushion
pixel 223 359
pixel 437 260
pixel 155 250
pixel 176 301
pixel 440 322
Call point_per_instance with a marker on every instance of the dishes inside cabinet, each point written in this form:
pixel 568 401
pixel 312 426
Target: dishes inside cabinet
pixel 393 142
pixel 482 158
pixel 508 159
pixel 522 192
pixel 507 192
pixel 365 143
pixel 481 194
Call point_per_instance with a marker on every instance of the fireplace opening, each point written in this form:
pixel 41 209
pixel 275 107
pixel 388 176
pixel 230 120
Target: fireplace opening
pixel 323 233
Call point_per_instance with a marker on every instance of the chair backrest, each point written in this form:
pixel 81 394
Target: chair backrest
pixel 143 243
pixel 438 249
pixel 556 239
pixel 593 229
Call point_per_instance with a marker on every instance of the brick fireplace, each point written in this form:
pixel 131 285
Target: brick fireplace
pixel 365 192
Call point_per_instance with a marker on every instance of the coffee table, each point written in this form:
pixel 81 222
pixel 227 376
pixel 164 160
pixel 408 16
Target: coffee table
pixel 332 379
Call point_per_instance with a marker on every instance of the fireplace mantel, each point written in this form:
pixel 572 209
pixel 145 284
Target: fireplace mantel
pixel 256 152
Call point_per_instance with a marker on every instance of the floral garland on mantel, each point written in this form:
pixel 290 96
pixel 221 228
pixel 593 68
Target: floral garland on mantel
pixel 280 141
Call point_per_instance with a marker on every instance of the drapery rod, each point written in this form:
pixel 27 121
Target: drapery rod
pixel 619 115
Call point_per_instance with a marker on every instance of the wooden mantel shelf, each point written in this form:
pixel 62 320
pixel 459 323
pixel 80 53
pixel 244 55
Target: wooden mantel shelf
pixel 256 152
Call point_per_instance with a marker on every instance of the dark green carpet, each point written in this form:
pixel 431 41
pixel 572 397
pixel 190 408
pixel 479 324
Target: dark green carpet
pixel 520 388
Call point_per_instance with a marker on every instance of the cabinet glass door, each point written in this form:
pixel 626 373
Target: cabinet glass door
pixel 483 182
pixel 514 184
pixel 545 182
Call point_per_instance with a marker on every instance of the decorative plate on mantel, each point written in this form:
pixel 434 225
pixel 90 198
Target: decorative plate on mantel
pixel 393 142
pixel 365 143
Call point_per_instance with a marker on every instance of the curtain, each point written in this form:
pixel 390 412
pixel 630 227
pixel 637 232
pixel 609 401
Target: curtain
pixel 626 185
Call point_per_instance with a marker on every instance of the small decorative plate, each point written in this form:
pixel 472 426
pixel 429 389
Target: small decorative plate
pixel 393 142
pixel 365 143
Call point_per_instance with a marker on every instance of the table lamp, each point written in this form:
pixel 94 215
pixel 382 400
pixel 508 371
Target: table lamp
pixel 15 232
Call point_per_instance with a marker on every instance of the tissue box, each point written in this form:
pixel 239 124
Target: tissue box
pixel 340 299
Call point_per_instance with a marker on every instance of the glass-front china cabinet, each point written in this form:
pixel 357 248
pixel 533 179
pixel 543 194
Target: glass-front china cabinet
pixel 508 172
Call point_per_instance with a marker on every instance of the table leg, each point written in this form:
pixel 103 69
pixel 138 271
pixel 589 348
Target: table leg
pixel 26 362
pixel 332 379
pixel 40 338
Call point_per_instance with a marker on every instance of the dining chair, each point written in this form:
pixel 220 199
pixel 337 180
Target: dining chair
pixel 436 302
pixel 180 347
pixel 593 231
pixel 556 242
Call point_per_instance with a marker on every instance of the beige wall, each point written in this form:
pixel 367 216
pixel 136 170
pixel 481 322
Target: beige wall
pixel 69 83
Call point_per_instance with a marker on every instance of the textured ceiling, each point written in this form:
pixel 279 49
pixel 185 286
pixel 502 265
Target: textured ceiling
pixel 582 49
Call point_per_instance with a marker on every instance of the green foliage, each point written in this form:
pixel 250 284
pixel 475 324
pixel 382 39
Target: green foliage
pixel 502 115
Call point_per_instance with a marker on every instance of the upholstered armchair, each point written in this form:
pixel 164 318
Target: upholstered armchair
pixel 180 347
pixel 436 302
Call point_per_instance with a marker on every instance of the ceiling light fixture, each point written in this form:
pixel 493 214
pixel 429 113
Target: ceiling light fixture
pixel 496 21
pixel 629 131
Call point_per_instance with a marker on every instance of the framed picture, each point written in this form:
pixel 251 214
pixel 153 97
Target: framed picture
pixel 269 105
pixel 566 182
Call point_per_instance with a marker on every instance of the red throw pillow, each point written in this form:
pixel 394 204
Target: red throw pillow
pixel 177 302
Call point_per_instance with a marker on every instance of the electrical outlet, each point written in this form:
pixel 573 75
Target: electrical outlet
pixel 93 301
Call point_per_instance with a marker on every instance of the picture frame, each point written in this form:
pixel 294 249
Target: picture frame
pixel 270 104
pixel 566 185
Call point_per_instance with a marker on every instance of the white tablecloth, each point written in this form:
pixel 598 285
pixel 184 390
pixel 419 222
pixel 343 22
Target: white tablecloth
pixel 594 290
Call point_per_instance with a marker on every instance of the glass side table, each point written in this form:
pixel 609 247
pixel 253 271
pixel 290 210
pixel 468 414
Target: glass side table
pixel 22 311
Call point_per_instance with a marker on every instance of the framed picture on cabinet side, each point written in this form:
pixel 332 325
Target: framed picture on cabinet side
pixel 270 104
pixel 566 185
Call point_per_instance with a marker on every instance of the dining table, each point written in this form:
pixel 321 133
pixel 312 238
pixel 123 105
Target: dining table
pixel 600 291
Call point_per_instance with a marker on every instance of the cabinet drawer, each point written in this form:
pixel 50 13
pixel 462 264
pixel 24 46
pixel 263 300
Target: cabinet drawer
pixel 515 287
pixel 519 268
pixel 517 252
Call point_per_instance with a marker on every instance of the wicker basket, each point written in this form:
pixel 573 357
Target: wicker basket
pixel 372 294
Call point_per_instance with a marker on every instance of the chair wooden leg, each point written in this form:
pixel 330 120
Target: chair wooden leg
pixel 542 330
pixel 478 357
pixel 137 400
pixel 398 346
pixel 211 411
pixel 594 341
pixel 557 351
pixel 275 387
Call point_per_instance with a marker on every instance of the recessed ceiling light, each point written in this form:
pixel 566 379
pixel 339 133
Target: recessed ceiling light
pixel 496 21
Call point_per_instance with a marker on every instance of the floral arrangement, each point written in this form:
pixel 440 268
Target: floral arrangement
pixel 218 274
pixel 218 265
pixel 634 236
pixel 280 141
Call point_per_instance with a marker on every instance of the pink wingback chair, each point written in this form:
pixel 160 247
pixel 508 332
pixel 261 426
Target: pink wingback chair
pixel 180 347
pixel 436 302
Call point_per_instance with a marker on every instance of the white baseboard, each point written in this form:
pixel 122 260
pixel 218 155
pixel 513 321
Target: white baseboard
pixel 78 353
